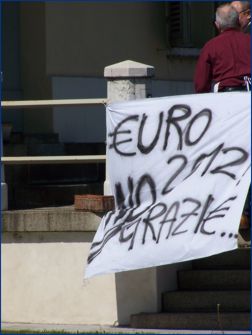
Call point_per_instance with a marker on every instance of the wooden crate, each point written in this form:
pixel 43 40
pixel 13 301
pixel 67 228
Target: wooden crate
pixel 94 203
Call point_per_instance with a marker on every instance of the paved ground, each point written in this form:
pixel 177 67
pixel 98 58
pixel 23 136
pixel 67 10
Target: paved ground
pixel 107 329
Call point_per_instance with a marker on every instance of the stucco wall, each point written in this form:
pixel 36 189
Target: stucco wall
pixel 42 281
pixel 83 38
pixel 44 254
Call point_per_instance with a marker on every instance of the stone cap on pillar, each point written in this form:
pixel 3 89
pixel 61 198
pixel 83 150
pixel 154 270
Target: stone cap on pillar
pixel 128 68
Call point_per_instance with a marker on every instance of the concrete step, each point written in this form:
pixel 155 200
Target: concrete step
pixel 41 138
pixel 34 149
pixel 196 321
pixel 206 301
pixel 54 173
pixel 45 149
pixel 16 138
pixel 19 138
pixel 66 173
pixel 199 280
pixel 85 148
pixel 19 149
pixel 51 149
pixel 41 145
pixel 32 186
pixel 235 259
pixel 36 196
pixel 48 219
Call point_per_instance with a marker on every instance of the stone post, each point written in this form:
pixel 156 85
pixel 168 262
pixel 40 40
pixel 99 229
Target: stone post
pixel 127 80
pixel 4 188
pixel 139 290
pixel 135 290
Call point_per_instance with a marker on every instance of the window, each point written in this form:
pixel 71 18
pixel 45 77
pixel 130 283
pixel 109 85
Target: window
pixel 179 22
pixel 189 24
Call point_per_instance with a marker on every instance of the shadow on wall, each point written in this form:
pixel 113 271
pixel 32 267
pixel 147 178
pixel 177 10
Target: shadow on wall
pixel 140 291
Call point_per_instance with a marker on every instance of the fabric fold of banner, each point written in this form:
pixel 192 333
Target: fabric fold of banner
pixel 179 169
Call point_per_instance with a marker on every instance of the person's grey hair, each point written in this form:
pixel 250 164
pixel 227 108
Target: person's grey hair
pixel 228 18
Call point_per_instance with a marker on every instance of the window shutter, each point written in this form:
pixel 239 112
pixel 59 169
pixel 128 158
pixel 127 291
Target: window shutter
pixel 176 23
pixel 183 26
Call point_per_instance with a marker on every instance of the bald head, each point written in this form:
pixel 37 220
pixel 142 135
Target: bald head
pixel 243 10
pixel 240 5
pixel 226 17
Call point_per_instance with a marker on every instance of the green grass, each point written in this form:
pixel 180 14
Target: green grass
pixel 47 332
pixel 57 332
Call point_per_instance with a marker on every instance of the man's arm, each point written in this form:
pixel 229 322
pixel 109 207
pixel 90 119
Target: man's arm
pixel 203 73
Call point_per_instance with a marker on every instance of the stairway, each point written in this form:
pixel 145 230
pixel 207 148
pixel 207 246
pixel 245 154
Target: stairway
pixel 35 186
pixel 213 295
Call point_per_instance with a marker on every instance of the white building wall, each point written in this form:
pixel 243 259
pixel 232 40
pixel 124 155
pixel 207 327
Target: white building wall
pixel 42 281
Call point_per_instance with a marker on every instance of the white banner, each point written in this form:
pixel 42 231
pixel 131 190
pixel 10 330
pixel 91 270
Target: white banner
pixel 179 169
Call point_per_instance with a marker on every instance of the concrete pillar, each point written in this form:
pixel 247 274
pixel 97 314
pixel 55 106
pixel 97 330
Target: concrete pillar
pixel 127 80
pixel 135 290
pixel 139 290
pixel 4 188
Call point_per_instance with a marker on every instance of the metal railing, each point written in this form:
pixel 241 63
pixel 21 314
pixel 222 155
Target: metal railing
pixel 76 159
pixel 51 103
pixel 87 159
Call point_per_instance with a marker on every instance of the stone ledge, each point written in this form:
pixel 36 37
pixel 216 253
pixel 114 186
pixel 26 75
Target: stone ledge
pixel 52 219
pixel 129 69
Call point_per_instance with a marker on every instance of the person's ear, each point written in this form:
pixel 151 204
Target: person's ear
pixel 217 25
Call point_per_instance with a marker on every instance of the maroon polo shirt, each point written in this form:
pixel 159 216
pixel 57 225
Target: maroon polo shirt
pixel 224 59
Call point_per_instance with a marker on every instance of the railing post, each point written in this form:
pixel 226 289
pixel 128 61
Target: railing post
pixel 4 188
pixel 127 80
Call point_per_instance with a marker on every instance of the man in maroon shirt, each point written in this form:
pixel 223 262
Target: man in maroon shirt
pixel 224 61
pixel 243 9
